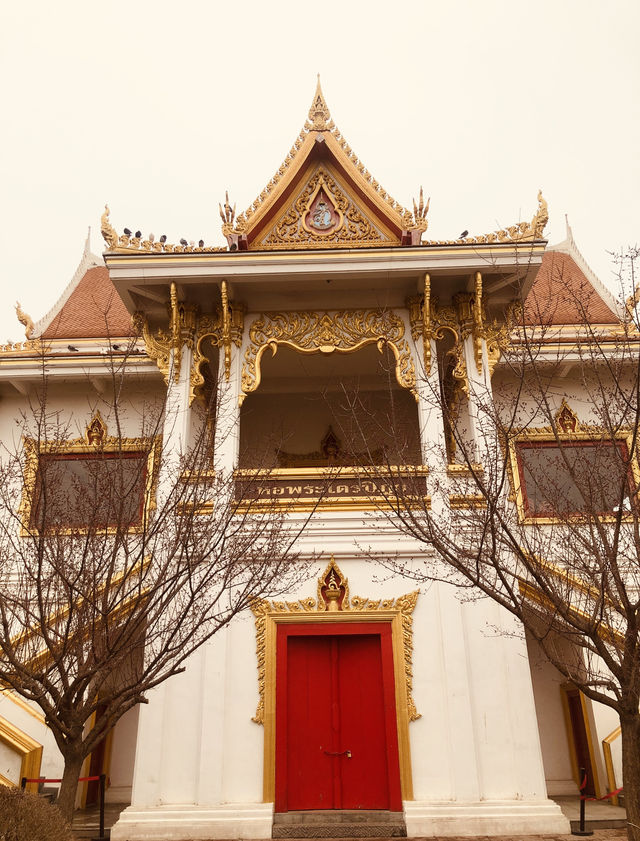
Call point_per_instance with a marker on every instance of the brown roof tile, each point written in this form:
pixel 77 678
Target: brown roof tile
pixel 94 310
pixel 562 294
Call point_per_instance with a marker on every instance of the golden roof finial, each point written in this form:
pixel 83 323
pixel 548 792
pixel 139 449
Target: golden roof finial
pixel 319 115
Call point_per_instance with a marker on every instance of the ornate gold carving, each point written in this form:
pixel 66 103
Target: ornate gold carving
pixel 211 326
pixel 25 320
pixel 109 233
pixel 420 210
pixel 478 322
pixel 227 215
pixel 344 331
pixel 226 330
pixel 96 437
pixel 566 418
pixel 157 345
pixel 333 597
pixel 522 232
pixel 351 225
pixel 96 431
pixel 319 115
pixel 498 341
pixel 127 243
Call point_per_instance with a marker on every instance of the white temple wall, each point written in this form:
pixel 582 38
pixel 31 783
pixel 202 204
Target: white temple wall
pixel 123 749
pixel 547 681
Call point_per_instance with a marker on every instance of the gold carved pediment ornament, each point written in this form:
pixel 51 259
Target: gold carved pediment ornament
pixel 344 331
pixel 333 602
pixel 324 214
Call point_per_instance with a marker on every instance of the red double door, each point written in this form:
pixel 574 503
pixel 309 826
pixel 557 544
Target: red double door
pixel 336 736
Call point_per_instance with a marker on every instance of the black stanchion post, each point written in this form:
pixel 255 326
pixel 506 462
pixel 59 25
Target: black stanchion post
pixel 103 780
pixel 583 785
pixel 23 783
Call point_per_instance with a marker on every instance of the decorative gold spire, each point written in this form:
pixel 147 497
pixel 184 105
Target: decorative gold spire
pixel 319 116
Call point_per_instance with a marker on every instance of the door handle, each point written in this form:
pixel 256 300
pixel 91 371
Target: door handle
pixel 346 753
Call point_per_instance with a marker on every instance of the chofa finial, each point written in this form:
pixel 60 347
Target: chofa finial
pixel 319 115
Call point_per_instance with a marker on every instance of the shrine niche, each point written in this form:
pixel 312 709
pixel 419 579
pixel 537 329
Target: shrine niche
pixel 330 454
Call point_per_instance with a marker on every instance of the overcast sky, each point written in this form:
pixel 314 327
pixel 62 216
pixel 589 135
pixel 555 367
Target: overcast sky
pixel 158 107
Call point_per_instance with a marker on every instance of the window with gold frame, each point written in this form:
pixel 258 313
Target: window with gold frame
pixel 578 471
pixel 96 482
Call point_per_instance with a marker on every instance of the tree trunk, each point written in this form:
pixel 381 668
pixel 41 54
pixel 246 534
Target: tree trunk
pixel 67 796
pixel 630 726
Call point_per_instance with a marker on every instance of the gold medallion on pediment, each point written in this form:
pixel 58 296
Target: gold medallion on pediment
pixel 325 214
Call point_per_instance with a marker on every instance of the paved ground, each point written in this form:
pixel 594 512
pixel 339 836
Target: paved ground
pixel 85 824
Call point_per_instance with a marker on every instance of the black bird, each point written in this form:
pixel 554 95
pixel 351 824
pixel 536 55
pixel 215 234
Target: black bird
pixel 463 234
pixel 127 232
pixel 163 238
pixel 138 234
pixel 72 348
pixel 200 243
pixel 116 347
pixel 183 241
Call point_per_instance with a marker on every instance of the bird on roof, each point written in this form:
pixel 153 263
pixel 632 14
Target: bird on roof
pixel 463 235
pixel 72 348
pixel 183 241
pixel 127 232
pixel 138 234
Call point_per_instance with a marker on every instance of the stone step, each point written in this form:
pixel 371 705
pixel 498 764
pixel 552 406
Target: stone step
pixel 339 823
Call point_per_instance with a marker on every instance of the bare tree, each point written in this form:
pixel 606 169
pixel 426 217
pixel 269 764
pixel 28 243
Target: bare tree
pixel 539 509
pixel 119 560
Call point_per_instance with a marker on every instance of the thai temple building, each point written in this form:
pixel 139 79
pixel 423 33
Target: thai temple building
pixel 451 721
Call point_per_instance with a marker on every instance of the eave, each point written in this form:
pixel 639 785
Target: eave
pixel 508 269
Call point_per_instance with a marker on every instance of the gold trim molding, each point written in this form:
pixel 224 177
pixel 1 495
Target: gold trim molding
pixel 334 604
pixel 344 331
pixel 29 750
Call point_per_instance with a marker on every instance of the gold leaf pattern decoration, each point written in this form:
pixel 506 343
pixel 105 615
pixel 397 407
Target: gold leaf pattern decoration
pixel 345 331
pixel 355 228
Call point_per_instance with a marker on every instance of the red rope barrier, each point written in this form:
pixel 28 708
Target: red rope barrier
pixel 58 780
pixel 604 797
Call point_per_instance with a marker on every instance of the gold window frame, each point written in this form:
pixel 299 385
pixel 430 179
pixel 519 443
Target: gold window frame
pixel 95 440
pixel 397 612
pixel 569 430
pixel 27 748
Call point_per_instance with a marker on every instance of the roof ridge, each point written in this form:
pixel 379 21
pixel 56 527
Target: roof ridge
pixel 568 246
pixel 87 261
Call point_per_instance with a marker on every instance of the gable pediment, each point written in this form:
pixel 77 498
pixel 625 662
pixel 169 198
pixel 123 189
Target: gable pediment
pixel 322 197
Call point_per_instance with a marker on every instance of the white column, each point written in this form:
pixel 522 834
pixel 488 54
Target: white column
pixel 227 434
pixel 430 419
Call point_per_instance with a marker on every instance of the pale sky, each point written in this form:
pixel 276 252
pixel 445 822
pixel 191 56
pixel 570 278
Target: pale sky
pixel 158 107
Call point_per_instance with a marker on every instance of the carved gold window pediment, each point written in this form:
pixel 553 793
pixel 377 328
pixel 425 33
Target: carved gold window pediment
pixel 333 603
pixel 344 331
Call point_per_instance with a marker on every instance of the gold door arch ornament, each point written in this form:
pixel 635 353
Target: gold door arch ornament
pixel 344 331
pixel 334 604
